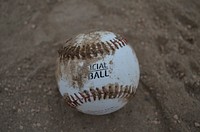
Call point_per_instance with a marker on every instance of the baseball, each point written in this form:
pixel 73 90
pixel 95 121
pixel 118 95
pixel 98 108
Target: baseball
pixel 97 72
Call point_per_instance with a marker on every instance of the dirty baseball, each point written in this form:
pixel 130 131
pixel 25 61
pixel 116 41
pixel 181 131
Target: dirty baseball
pixel 97 72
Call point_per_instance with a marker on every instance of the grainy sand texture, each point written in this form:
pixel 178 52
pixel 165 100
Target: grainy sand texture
pixel 165 35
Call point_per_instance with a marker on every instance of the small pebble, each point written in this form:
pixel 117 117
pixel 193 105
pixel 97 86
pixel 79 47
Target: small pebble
pixel 176 117
pixel 156 122
pixel 159 95
pixel 32 110
pixel 33 26
pixel 34 125
pixel 157 18
pixel 142 43
pixel 19 110
pixel 189 26
pixel 122 9
pixel 38 124
pixel 46 108
pixel 6 89
pixel 132 11
pixel 28 7
pixel 49 93
pixel 25 22
pixel 21 127
pixel 196 124
pixel 14 107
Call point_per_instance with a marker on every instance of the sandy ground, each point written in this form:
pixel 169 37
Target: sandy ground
pixel 164 33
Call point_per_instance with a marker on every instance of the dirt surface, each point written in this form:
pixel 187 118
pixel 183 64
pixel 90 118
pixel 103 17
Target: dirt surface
pixel 166 39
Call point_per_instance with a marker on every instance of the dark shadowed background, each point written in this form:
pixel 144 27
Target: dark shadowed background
pixel 165 35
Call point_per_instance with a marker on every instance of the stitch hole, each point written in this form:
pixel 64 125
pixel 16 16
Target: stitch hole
pixel 120 91
pixel 110 92
pixel 99 93
pixel 72 52
pixel 116 91
pixel 77 52
pixel 99 48
pixel 93 93
pixel 88 53
pixel 87 95
pixel 105 91
pixel 105 47
pixel 82 52
pixel 68 51
pixel 94 49
pixel 129 91
pixel 126 91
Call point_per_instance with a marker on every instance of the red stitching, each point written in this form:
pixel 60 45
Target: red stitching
pixel 112 48
pixel 117 41
pixel 111 92
pixel 91 50
pixel 123 41
pixel 100 48
pixel 113 42
pixel 94 51
pixel 74 101
pixel 82 53
pixel 93 94
pixel 105 48
pixel 78 98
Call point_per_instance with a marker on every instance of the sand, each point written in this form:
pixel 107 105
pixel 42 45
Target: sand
pixel 165 35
